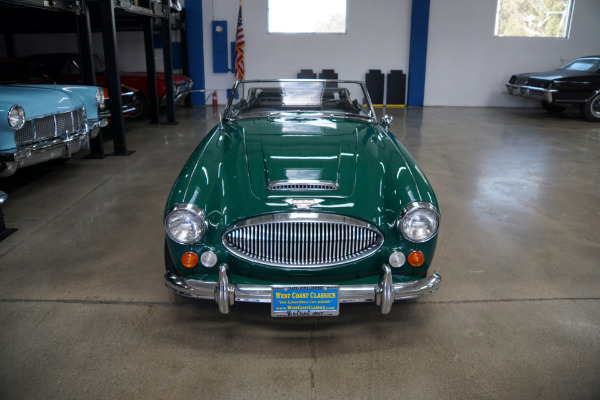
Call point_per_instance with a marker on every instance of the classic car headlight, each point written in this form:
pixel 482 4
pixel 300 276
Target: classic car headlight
pixel 16 117
pixel 100 96
pixel 420 222
pixel 185 224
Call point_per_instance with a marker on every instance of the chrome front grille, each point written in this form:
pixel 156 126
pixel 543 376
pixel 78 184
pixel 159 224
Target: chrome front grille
pixel 521 80
pixel 302 185
pixel 302 239
pixel 25 134
pixel 51 127
pixel 541 83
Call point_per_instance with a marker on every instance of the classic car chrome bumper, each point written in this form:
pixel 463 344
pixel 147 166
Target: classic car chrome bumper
pixel 179 91
pixel 40 152
pixel 126 110
pixel 531 91
pixel 226 294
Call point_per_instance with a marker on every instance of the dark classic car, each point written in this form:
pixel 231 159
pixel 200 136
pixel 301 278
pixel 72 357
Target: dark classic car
pixel 575 84
pixel 301 199
pixel 64 67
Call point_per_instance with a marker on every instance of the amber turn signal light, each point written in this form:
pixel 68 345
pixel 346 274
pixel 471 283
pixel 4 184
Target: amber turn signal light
pixel 416 258
pixel 189 259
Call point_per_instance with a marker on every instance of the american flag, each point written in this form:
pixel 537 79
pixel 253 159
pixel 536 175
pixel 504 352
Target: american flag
pixel 239 48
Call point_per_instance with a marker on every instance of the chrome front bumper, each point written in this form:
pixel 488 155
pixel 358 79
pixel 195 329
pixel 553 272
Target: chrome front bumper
pixel 226 294
pixel 49 150
pixel 531 91
pixel 126 110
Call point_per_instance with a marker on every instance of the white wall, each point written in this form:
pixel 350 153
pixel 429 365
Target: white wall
pixel 468 66
pixel 378 36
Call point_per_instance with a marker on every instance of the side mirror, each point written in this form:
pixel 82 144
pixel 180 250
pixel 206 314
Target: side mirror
pixel 386 121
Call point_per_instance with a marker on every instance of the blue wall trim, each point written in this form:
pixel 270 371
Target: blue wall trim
pixel 195 38
pixel 419 28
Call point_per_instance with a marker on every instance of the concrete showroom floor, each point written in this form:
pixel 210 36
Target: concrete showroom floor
pixel 84 313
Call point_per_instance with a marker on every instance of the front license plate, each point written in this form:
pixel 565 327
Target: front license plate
pixel 305 301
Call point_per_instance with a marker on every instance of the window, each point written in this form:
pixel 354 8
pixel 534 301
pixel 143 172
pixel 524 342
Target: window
pixel 585 64
pixel 534 18
pixel 307 16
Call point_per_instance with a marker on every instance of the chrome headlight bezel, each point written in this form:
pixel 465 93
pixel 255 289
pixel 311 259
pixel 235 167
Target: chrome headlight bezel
pixel 185 224
pixel 16 117
pixel 419 222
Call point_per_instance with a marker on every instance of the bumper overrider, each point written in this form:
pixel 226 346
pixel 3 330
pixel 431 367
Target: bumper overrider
pixel 36 153
pixel 225 294
pixel 531 91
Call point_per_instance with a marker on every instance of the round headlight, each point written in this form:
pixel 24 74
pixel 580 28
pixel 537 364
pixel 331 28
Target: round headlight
pixel 16 117
pixel 100 96
pixel 420 222
pixel 185 224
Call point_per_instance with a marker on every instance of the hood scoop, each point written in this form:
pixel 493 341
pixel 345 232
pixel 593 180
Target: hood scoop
pixel 303 186
pixel 301 159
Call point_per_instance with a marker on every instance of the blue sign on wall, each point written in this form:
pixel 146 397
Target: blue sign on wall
pixel 220 46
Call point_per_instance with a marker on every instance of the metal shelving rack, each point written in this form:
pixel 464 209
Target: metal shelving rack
pixel 82 16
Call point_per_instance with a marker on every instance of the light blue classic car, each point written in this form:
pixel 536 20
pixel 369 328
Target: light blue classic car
pixel 39 123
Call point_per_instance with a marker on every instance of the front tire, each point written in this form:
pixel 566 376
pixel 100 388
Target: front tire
pixel 591 109
pixel 141 106
pixel 553 108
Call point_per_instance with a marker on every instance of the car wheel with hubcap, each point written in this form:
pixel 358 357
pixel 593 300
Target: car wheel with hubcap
pixel 141 106
pixel 591 109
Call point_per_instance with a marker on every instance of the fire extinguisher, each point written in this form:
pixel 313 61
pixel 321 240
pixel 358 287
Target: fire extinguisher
pixel 214 99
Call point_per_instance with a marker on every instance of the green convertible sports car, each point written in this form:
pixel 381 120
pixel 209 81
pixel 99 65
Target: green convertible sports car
pixel 301 199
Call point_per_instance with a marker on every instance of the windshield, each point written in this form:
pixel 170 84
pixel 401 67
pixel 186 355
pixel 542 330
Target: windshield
pixel 589 64
pixel 12 71
pixel 251 99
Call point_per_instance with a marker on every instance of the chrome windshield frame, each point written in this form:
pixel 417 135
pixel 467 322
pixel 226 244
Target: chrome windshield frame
pixel 371 117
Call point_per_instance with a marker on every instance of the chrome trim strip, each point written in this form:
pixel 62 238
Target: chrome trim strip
pixel 302 185
pixel 225 294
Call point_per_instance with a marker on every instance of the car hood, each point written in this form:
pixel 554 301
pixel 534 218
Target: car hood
pixel 40 100
pixel 228 173
pixel 308 150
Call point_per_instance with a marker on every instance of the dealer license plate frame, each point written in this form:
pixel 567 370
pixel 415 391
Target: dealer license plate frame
pixel 305 301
